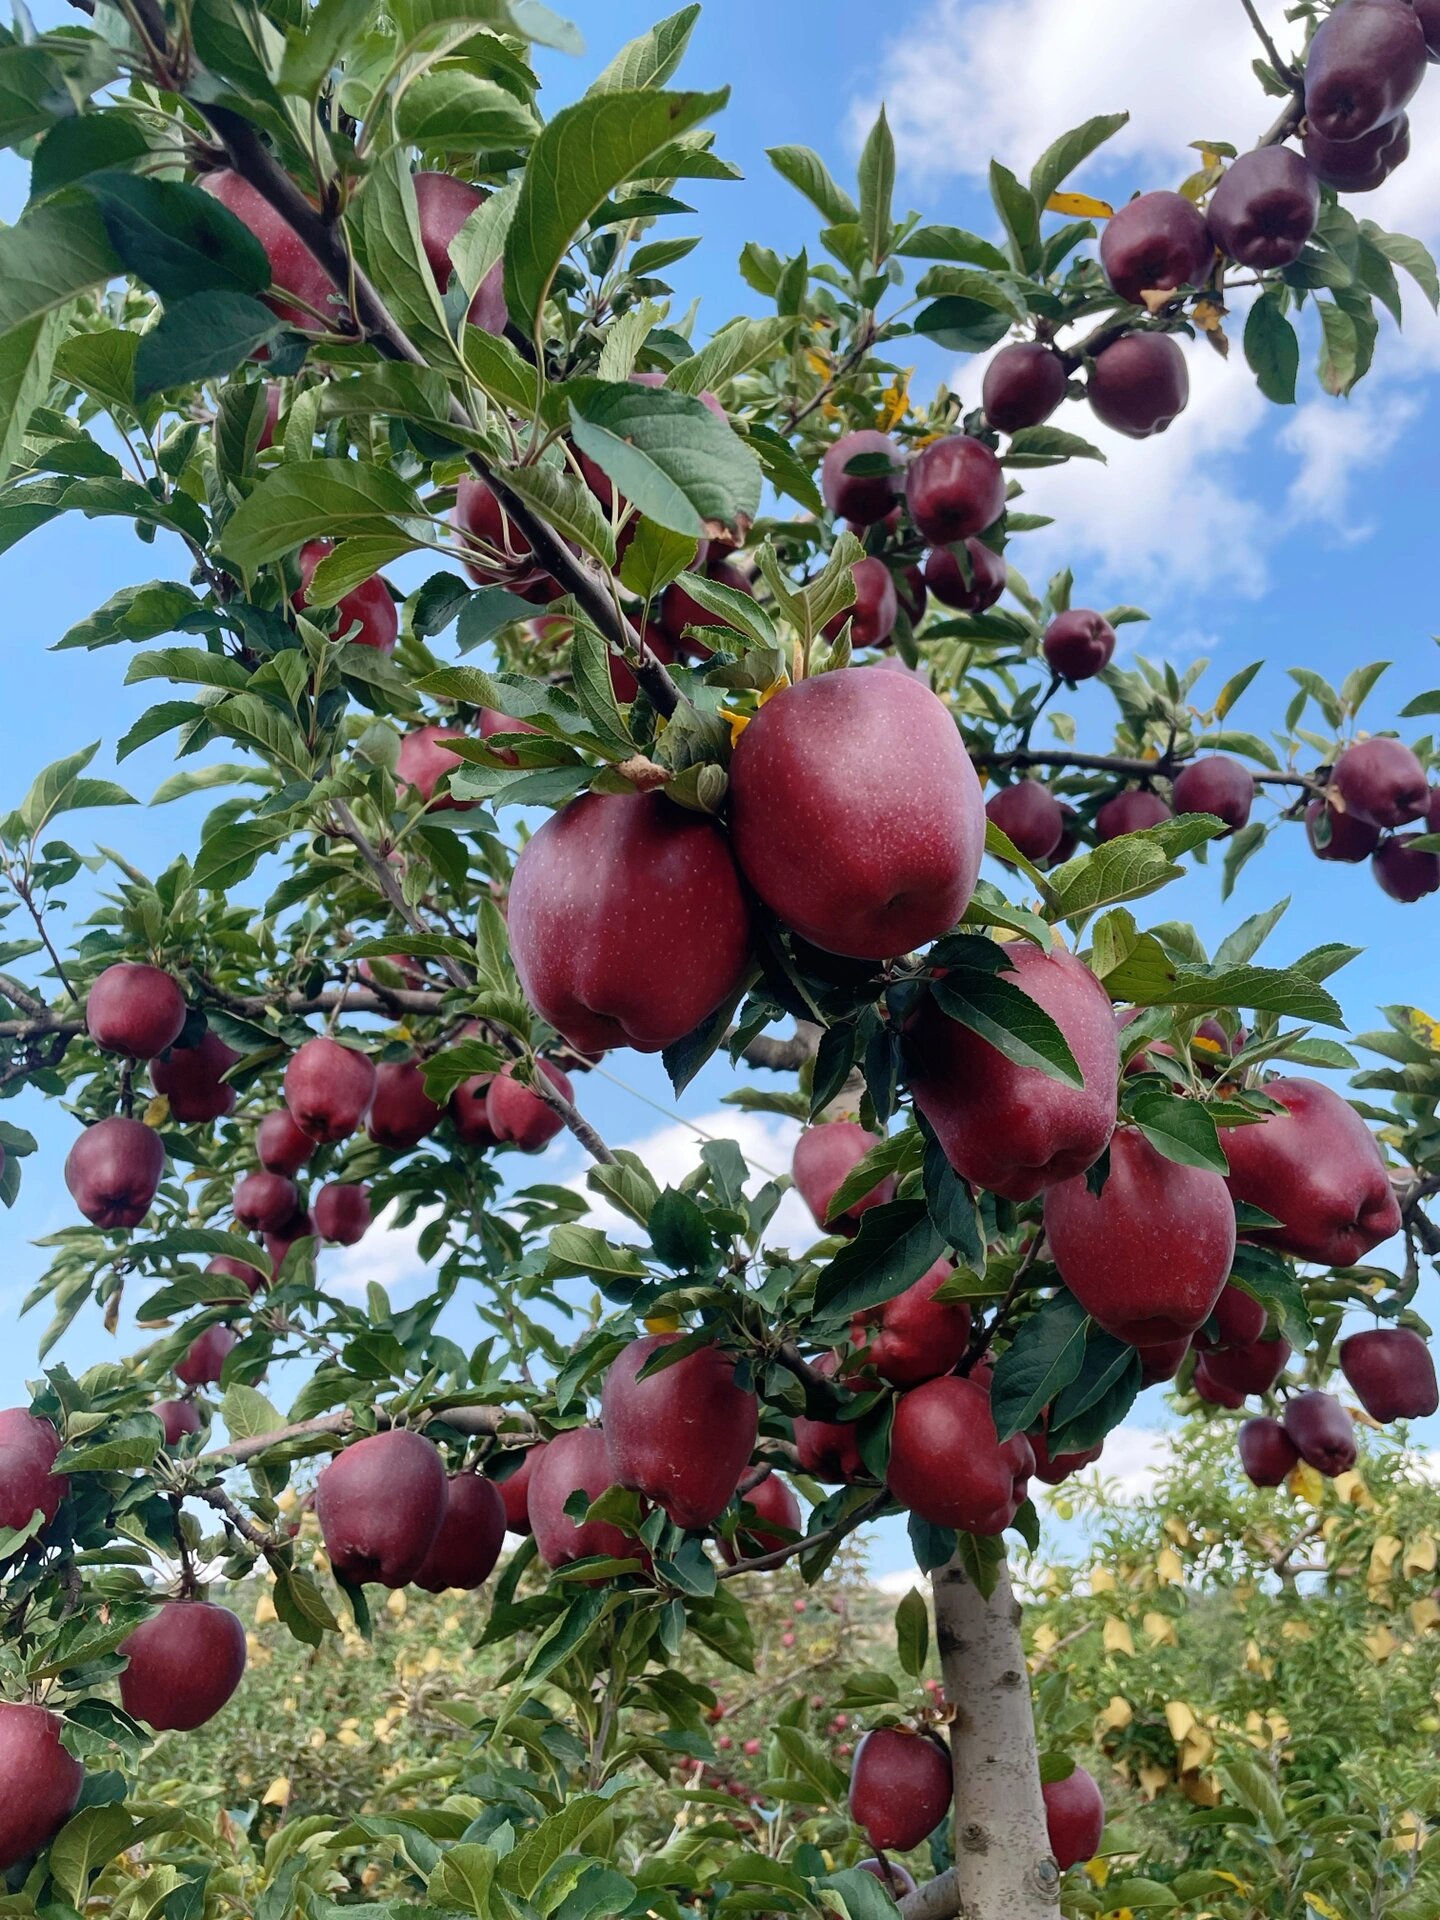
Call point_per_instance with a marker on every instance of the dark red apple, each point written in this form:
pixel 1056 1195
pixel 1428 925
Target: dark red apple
pixel 135 1010
pixel 470 1537
pixel 278 1245
pixel 328 1089
pixel 264 1202
pixel 368 607
pixel 294 270
pixel 1055 1469
pixel 469 1109
pixel 274 400
pixel 945 578
pixel 497 552
pixel 1011 1129
pixel 1247 1370
pixel 1074 1818
pixel 872 617
pixel 42 1781
pixel 178 1418
pixel 251 1278
pixel 680 611
pixel 1218 1393
pixel 402 1113
pixel 425 765
pixel 1365 64
pixel 381 1504
pixel 1405 872
pixel 1215 785
pixel 1323 1431
pixel 914 1337
pixel 855 812
pixel 824 1157
pixel 521 1116
pixel 1427 12
pixel 29 1448
pixel 1023 386
pixel 1316 1169
pixel 1239 1320
pixel 1029 816
pixel 204 1359
pixel 1265 208
pixel 1140 385
pixel 1359 166
pixel 623 683
pixel 912 594
pixel 492 723
pixel 1391 1371
pixel 770 1501
pixel 1267 1453
pixel 628 922
pixel 1069 836
pixel 1156 243
pixel 1339 836
pixel 1148 1255
pixel 192 1080
pixel 827 1449
pixel 514 1489
pixel 576 1461
pixel 946 1464
pixel 1162 1360
pixel 861 497
pixel 683 1436
pixel 1079 643
pixel 900 1787
pixel 342 1213
pixel 955 487
pixel 280 1146
pixel 444 205
pixel 114 1169
pixel 185 1662
pixel 1380 780
pixel 897 1879
pixel 1130 812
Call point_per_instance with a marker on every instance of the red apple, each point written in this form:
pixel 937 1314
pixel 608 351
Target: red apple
pixel 178 1418
pixel 1156 243
pixel 29 1448
pixel 1339 836
pixel 1239 1320
pixel 1391 1371
pixel 280 1145
pixel 521 1116
pixel 402 1113
pixel 444 205
pixel 469 1109
pixel 342 1213
pixel 498 553
pixel 1215 785
pixel 205 1357
pixel 1265 208
pixel 381 1504
pixel 114 1169
pixel 1029 816
pixel 1365 63
pixel 278 1245
pixel 135 1010
pixel 425 765
pixel 895 1878
pixel 293 268
pixel 1078 644
pixel 265 1202
pixel 470 1537
pixel 274 400
pixel 824 1156
pixel 1074 1818
pixel 1359 166
pixel 1380 781
pixel 827 1449
pixel 250 1278
pixel 1054 1469
pixel 1217 1393
pixel 368 607
pixel 185 1662
pixel 42 1781
pixel 1130 812
pixel 955 487
pixel 914 1337
pixel 900 1787
pixel 1162 1360
pixel 514 1490
pixel 1140 385
pixel 623 683
pixel 682 1437
pixel 772 1501
pixel 192 1080
pixel 946 579
pixel 872 616
pixel 680 611
pixel 1245 1370
pixel 328 1089
pixel 861 497
pixel 946 1464
pixel 577 1461
pixel 1323 1431
pixel 1267 1453
pixel 492 723
pixel 1407 873
pixel 1023 386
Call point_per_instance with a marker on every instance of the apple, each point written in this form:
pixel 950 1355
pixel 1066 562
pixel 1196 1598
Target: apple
pixel 1149 1254
pixel 192 1080
pixel 1407 873
pixel 1156 243
pixel 623 683
pixel 680 611
pixel 827 1449
pixel 1078 643
pixel 945 578
pixel 1267 1453
pixel 897 1880
pixel 946 1464
pixel 114 1169
pixel 955 488
pixel 577 1461
pixel 1219 1393
pixel 492 723
pixel 368 606
pixel 1069 836
pixel 135 1010
pixel 185 1662
pixel 1365 63
pixel 855 813
pixel 1140 385
pixel 469 1110
pixel 402 1113
pixel 682 1437
pixel 342 1213
pixel 1011 1129
pixel 1323 1431
pixel 1053 1469
pixel 514 1490
pixel 1391 1371
pixel 278 1245
pixel 914 1337
pixel 666 924
pixel 1029 815
pixel 1074 1818
pixel 1218 785
pixel 1315 1168
pixel 470 1537
pixel 444 205
pixel 251 1278
pixel 872 616
pixel 496 552
pixel 425 765
pixel 1130 812
pixel 265 1202
pixel 204 1359
pixel 1380 781
pixel 1339 836
pixel 293 268
pixel 381 1504
pixel 274 400
pixel 1162 1360
pixel 178 1418
pixel 525 1118
pixel 1359 166
pixel 862 498
pixel 328 1089
pixel 29 1448
pixel 43 1782
pixel 824 1156
pixel 280 1146
pixel 1265 208
pixel 772 1501
pixel 900 1787
pixel 1023 386
pixel 1239 1319
pixel 1245 1370
pixel 1427 12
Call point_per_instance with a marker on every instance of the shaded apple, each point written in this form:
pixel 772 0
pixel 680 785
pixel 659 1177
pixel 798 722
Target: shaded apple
pixel 683 1436
pixel 900 1787
pixel 114 1169
pixel 425 765
pixel 1130 812
pixel 264 1202
pixel 29 1448
pixel 42 1781
pixel 192 1080
pixel 204 1358
pixel 872 616
pixel 1407 873
pixel 445 204
pixel 623 683
pixel 1155 243
pixel 772 1502
pixel 281 1146
pixel 1054 1469
pixel 914 1337
pixel 1029 816
pixel 1265 208
pixel 1074 1818
pixel 827 1449
pixel 1218 785
pixel 294 270
pixel 1360 166
pixel 367 615
pixel 1239 1320
pixel 496 552
pixel 955 488
pixel 576 1461
pixel 855 813
pixel 274 401
pixel 1323 1431
pixel 1365 63
pixel 135 1010
pixel 178 1418
pixel 514 1489
pixel 469 1110
pixel 1427 12
pixel 891 1874
pixel 1392 1372
pixel 1069 836
pixel 861 497
pixel 1023 386
pixel 521 1116
pixel 1148 1255
pixel 1218 1393
pixel 492 723
pixel 912 594
pixel 1078 643
pixel 1267 1453
pixel 946 1464
pixel 1380 780
pixel 1339 836
pixel 278 1245
pixel 680 610
pixel 250 1278
pixel 328 1089
pixel 401 1113
pixel 342 1213
pixel 185 1662
pixel 948 581
pixel 824 1157
pixel 470 1538
pixel 1245 1370
pixel 1162 1359
pixel 381 1504
pixel 1140 385
pixel 628 922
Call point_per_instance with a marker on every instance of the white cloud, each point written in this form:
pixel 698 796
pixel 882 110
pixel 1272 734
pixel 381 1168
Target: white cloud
pixel 1334 445
pixel 1132 1460
pixel 388 1255
pixel 898 1583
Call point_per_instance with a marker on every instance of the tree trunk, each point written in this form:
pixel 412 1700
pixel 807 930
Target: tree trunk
pixel 1004 1869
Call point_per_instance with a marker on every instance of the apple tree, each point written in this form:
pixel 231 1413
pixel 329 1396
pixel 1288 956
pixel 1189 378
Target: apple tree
pixel 738 630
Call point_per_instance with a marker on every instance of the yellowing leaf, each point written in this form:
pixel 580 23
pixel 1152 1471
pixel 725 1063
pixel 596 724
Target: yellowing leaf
pixel 1208 315
pixel 1117 1637
pixel 1196 1751
pixel 1201 1789
pixel 1102 1580
pixel 1279 1727
pixel 1350 1488
pixel 1425 1614
pixel 663 1322
pixel 1323 1907
pixel 1380 1644
pixel 1081 206
pixel 1098 1871
pixel 1180 1719
pixel 1306 1484
pixel 1178 1531
pixel 265 1612
pixel 1298 1630
pixel 157 1111
pixel 1169 1568
pixel 1160 1630
pixel 1419 1555
pixel 277 1794
pixel 396 1604
pixel 895 401
pixel 817 362
pixel 1045 1638
pixel 1118 1714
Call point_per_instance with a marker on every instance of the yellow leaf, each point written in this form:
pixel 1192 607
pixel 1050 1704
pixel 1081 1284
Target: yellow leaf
pixel 1323 1907
pixel 1117 1637
pixel 1196 1751
pixel 1180 1719
pixel 1169 1569
pixel 1298 1630
pixel 1082 206
pixel 663 1322
pixel 277 1794
pixel 265 1612
pixel 1208 315
pixel 395 1606
pixel 1425 1615
pixel 1102 1580
pixel 1118 1714
pixel 1279 1728
pixel 349 1738
pixel 1425 1027
pixel 287 1500
pixel 1160 1630
pixel 1350 1488
pixel 895 401
pixel 1152 1779
pixel 1306 1484
pixel 1419 1555
pixel 1240 1886
pixel 817 362
pixel 1045 1638
pixel 157 1111
pixel 317 1739
pixel 1098 1871
pixel 1380 1644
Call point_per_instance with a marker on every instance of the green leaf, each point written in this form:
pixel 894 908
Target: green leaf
pixel 1013 1023
pixel 309 499
pixel 463 113
pixel 807 172
pixel 953 243
pixel 1061 158
pixel 567 504
pixel 912 1633
pixel 392 252
pixel 1047 447
pixel 877 187
pixel 135 613
pixel 1098 1398
pixel 201 338
pixel 1339 348
pixel 1127 868
pixel 667 454
pixel 1045 1355
pixel 49 256
pixel 1272 348
pixel 27 355
pixel 124 1445
pixel 896 1244
pixel 88 1842
pixel 463 1879
pixel 1019 213
pixel 653 558
pixel 884 1158
pixel 1415 259
pixel 176 238
pixel 652 58
pixel 247 1412
pixel 1182 1130
pixel 732 351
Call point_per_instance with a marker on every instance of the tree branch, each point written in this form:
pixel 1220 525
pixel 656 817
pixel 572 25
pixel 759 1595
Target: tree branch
pixel 763 1562
pixel 938 1899
pixel 1117 763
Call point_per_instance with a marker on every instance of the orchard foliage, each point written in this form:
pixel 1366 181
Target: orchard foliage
pixel 310 291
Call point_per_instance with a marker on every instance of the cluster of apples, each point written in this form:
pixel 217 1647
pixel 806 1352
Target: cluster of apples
pixel 1376 787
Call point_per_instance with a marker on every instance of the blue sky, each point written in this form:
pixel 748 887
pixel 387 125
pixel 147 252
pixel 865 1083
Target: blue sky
pixel 1300 537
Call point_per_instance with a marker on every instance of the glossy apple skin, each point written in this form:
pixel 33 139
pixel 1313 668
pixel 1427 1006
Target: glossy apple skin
pixel 1265 209
pixel 368 606
pixel 1359 166
pixel 274 400
pixel 1323 1431
pixel 178 1418
pixel 185 1662
pixel 1029 815
pixel 381 1504
pixel 445 204
pixel 947 1465
pixel 1380 781
pixel 1247 1370
pixel 872 616
pixel 1315 1168
pixel 135 1010
pixel 1130 812
pixel 1162 1360
pixel 293 268
pixel 1023 386
pixel 514 1490
pixel 521 1116
pixel 771 1501
pixel 1149 1256
pixel 828 1449
pixel 863 498
pixel 1140 385
pixel 667 927
pixel 900 1787
pixel 1218 1393
pixel 402 1113
pixel 342 1213
pixel 1364 66
pixel 945 580
pixel 425 765
pixel 574 1461
pixel 824 1157
pixel 280 1145
pixel 191 1080
pixel 1078 644
pixel 1074 1818
pixel 470 1537
pixel 682 1437
pixel 1013 1130
pixel 1155 243
pixel 898 1879
pixel 204 1360
pixel 470 1112
pixel 1392 1372
pixel 1267 1453
pixel 1406 873
pixel 1239 1320
pixel 328 1089
pixel 264 1202
pixel 1339 836
pixel 1216 785
pixel 43 1781
pixel 1055 1469
pixel 855 813
pixel 955 488
pixel 113 1171
pixel 29 1447
pixel 914 1338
